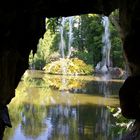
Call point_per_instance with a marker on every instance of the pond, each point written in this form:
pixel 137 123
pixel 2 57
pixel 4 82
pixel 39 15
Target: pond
pixel 52 107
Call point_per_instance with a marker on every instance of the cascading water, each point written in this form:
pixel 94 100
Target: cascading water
pixel 106 42
pixel 62 44
pixel 103 68
pixel 65 55
pixel 104 64
pixel 70 37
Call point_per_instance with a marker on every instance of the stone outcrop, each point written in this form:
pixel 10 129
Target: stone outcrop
pixel 130 98
pixel 22 24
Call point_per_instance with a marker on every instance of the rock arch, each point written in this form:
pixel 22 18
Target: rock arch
pixel 21 25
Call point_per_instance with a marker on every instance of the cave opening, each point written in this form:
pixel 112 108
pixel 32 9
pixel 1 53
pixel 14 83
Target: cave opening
pixel 35 104
pixel 14 59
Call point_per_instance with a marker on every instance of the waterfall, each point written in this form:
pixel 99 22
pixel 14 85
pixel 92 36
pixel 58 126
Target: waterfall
pixel 103 67
pixel 62 44
pixel 106 42
pixel 104 64
pixel 70 36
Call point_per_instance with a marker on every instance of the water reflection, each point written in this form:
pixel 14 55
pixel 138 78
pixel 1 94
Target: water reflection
pixel 44 109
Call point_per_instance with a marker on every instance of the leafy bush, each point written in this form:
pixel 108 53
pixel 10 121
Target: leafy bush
pixel 73 66
pixel 122 124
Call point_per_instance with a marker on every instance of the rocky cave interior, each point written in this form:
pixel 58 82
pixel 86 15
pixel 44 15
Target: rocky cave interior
pixel 22 24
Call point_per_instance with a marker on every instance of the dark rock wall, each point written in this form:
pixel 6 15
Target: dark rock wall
pixel 20 30
pixel 22 24
pixel 19 35
pixel 130 25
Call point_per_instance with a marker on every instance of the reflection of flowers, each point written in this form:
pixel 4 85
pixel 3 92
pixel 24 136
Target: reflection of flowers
pixel 64 83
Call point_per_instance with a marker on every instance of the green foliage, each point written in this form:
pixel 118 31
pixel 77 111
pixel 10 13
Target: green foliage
pixel 72 66
pixel 87 41
pixel 52 24
pixel 117 56
pixel 122 124
pixel 39 60
pixel 88 38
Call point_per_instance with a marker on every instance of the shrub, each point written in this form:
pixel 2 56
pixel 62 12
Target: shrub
pixel 73 66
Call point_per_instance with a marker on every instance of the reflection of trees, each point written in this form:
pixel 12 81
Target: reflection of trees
pixel 95 122
pixel 15 118
pixel 71 116
pixel 28 103
pixel 103 125
pixel 82 122
pixel 32 120
pixel 64 121
pixel 86 118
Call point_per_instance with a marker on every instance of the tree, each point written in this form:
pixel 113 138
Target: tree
pixel 88 38
pixel 44 48
pixel 87 41
pixel 117 55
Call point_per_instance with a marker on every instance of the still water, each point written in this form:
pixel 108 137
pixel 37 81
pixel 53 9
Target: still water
pixel 48 107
